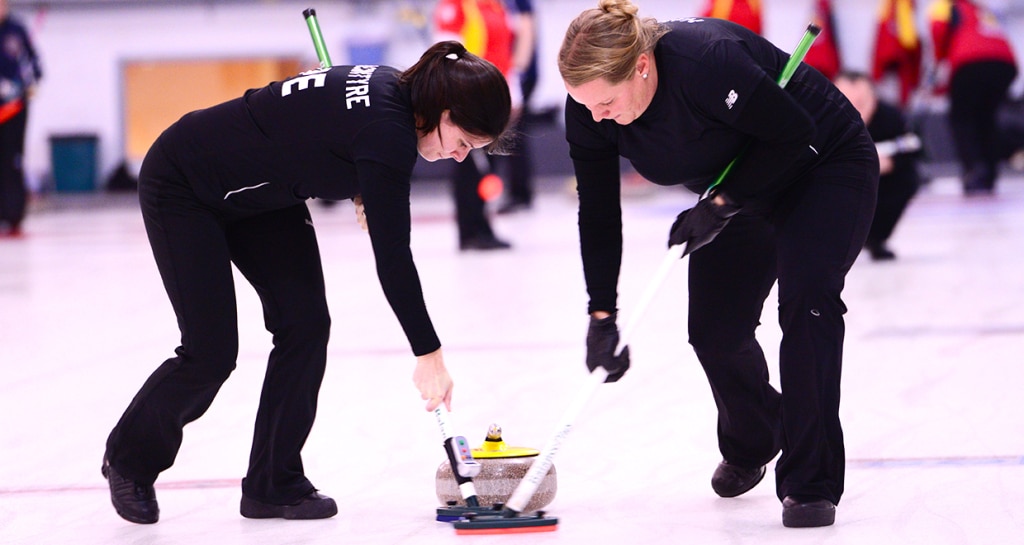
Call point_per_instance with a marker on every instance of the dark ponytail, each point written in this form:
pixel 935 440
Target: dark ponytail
pixel 474 91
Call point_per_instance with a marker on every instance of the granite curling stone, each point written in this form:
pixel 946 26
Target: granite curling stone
pixel 502 468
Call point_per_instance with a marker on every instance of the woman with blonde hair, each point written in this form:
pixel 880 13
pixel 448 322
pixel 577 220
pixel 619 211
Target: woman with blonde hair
pixel 680 100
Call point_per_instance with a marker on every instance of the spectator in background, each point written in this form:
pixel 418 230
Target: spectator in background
pixel 19 73
pixel 743 12
pixel 898 150
pixel 896 63
pixel 968 39
pixel 824 52
pixel 524 66
pixel 483 27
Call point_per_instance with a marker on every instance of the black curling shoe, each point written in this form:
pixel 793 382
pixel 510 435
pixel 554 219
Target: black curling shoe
pixel 879 251
pixel 133 501
pixel 484 242
pixel 730 481
pixel 807 512
pixel 310 506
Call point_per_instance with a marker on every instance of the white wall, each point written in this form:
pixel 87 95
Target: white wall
pixel 83 47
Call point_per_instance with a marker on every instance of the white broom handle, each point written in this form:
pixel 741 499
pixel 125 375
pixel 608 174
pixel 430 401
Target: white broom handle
pixel 444 422
pixel 522 494
pixel 466 487
pixel 675 253
pixel 528 486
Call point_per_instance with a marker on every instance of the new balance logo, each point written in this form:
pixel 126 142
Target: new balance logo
pixel 731 99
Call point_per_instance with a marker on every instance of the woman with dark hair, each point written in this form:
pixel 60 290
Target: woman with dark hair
pixel 227 185
pixel 681 100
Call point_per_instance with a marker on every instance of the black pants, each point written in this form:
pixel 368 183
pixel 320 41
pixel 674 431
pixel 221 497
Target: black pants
pixel 194 247
pixel 517 167
pixel 13 193
pixel 470 207
pixel 975 93
pixel 895 191
pixel 809 246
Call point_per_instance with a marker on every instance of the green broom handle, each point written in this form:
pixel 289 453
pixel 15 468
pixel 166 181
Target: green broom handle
pixel 677 251
pixel 787 72
pixel 318 37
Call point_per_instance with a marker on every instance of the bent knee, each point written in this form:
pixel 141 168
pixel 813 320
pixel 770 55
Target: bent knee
pixel 309 325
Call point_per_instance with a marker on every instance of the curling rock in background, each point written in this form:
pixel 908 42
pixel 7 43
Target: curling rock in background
pixel 501 470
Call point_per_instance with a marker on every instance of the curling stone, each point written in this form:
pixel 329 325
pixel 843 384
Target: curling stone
pixel 501 470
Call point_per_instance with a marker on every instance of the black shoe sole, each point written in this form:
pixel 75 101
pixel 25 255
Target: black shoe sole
pixel 306 510
pixel 739 491
pixel 809 515
pixel 484 244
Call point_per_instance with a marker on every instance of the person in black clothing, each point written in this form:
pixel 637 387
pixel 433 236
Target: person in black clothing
pixel 898 149
pixel 680 100
pixel 485 27
pixel 19 74
pixel 227 185
pixel 524 63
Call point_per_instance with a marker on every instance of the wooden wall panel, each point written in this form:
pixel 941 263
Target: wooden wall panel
pixel 158 92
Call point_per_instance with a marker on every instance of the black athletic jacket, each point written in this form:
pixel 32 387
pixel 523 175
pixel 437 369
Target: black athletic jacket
pixel 334 134
pixel 717 96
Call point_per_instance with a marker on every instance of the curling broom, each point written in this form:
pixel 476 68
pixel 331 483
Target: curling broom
pixel 460 456
pixel 511 514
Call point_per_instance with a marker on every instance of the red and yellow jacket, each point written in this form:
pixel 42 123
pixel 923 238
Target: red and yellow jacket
pixel 483 27
pixel 964 32
pixel 743 12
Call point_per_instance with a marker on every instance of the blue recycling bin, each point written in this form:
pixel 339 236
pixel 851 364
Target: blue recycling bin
pixel 73 161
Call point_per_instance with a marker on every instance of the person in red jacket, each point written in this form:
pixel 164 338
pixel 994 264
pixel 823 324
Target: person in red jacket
pixel 742 12
pixel 981 66
pixel 483 27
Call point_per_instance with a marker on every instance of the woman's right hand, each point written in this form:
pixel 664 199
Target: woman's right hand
pixel 432 380
pixel 602 342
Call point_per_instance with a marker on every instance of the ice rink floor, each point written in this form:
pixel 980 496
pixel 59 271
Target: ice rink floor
pixel 933 389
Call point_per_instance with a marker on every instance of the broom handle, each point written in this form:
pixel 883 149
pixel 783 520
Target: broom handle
pixel 441 414
pixel 676 252
pixel 453 445
pixel 787 73
pixel 318 37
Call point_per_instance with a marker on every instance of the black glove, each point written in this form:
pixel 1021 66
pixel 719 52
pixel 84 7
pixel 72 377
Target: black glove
pixel 700 225
pixel 602 339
